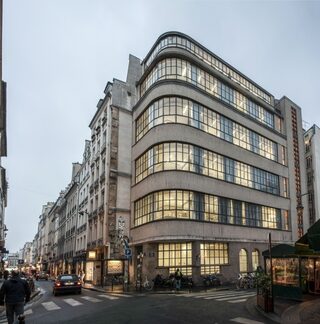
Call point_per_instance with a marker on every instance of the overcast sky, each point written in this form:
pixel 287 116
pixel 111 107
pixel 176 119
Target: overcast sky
pixel 58 56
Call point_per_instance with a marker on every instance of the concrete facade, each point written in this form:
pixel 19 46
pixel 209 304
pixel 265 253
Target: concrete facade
pixel 179 68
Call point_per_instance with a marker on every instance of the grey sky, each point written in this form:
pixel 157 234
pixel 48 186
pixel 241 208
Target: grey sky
pixel 59 54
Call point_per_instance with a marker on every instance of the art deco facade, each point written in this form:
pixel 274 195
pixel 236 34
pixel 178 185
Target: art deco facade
pixel 217 164
pixel 191 163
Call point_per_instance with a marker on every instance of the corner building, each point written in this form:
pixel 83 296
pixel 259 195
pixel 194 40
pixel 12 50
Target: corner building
pixel 217 165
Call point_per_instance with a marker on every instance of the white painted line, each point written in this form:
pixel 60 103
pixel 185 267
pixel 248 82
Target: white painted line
pixel 245 320
pixel 222 294
pixel 227 296
pixel 72 302
pixel 237 301
pixel 28 312
pixel 234 297
pixel 49 306
pixel 121 295
pixel 109 297
pixel 92 299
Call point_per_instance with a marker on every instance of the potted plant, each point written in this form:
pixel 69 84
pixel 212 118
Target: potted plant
pixel 264 297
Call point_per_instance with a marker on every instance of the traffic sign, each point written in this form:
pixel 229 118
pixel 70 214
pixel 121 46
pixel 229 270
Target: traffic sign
pixel 128 253
pixel 20 261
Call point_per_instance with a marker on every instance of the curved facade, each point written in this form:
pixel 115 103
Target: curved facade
pixel 211 175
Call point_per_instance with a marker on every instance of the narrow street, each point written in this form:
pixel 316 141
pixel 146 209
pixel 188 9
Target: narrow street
pixel 224 306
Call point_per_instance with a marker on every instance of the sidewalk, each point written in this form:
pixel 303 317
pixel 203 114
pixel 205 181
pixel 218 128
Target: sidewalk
pixel 289 311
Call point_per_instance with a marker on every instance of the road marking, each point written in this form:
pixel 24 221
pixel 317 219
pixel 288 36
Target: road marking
pixel 237 301
pixel 50 306
pixel 28 312
pixel 92 299
pixel 109 297
pixel 72 302
pixel 121 295
pixel 231 297
pixel 245 320
pixel 222 294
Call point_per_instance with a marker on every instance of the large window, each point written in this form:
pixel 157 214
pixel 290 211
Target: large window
pixel 255 260
pixel 180 41
pixel 190 205
pixel 191 158
pixel 213 255
pixel 243 260
pixel 183 111
pixel 174 68
pixel 176 255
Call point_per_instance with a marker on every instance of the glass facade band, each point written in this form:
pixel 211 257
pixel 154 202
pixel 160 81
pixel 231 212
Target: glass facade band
pixel 186 44
pixel 176 256
pixel 212 256
pixel 183 111
pixel 190 205
pixel 191 158
pixel 178 69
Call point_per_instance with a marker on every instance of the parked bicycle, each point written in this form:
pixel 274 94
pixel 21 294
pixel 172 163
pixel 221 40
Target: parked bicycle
pixel 211 280
pixel 165 283
pixel 147 284
pixel 246 281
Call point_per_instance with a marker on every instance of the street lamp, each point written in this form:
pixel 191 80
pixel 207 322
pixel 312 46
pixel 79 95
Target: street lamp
pixel 139 269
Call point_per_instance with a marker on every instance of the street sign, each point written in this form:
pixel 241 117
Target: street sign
pixel 128 253
pixel 20 261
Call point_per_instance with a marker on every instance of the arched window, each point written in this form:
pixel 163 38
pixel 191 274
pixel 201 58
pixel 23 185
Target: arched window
pixel 243 260
pixel 255 259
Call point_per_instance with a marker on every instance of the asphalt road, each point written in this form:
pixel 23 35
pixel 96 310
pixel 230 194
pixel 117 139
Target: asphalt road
pixel 215 307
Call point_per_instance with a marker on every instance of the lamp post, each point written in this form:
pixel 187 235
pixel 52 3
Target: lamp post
pixel 139 269
pixel 271 273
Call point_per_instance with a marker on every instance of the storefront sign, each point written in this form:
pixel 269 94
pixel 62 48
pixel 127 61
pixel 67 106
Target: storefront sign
pixel 115 266
pixel 92 254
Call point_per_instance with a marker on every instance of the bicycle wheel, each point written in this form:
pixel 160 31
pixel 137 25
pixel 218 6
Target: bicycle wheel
pixel 147 286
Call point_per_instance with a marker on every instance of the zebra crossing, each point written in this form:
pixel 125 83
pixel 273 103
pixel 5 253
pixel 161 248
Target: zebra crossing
pixel 73 302
pixel 229 296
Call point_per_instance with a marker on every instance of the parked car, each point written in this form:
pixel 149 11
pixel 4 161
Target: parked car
pixel 67 283
pixel 42 275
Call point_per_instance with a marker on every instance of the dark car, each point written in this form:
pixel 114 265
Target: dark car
pixel 67 283
pixel 42 275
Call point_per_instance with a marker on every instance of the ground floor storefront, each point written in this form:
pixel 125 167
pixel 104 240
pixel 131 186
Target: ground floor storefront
pixel 195 259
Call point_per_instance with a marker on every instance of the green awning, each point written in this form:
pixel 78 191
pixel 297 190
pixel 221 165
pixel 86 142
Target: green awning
pixel 310 242
pixel 280 251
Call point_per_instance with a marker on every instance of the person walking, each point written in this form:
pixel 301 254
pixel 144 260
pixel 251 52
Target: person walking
pixel 178 277
pixel 14 293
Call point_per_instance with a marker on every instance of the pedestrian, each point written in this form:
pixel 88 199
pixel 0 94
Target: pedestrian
pixel 5 274
pixel 178 277
pixel 14 293
pixel 82 277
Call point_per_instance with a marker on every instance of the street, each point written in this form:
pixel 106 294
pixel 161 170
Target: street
pixel 224 306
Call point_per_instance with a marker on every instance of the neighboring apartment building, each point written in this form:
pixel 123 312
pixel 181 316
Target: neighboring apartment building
pixel 312 154
pixel 43 237
pixel 71 198
pixel 27 253
pixel 217 165
pixel 83 210
pixel 109 211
